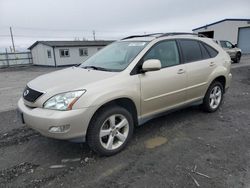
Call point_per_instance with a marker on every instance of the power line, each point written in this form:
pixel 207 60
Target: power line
pixel 71 30
pixel 41 36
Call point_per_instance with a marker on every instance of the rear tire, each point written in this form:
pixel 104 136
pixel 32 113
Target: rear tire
pixel 213 97
pixel 110 130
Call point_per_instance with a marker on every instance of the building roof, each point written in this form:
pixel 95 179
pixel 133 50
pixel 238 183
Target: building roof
pixel 228 19
pixel 72 43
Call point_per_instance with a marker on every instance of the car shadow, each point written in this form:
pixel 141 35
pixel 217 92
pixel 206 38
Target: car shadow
pixel 66 149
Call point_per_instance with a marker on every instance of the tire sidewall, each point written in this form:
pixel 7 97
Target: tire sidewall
pixel 206 101
pixel 96 124
pixel 237 58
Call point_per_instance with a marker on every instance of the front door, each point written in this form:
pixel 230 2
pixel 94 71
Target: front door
pixel 165 88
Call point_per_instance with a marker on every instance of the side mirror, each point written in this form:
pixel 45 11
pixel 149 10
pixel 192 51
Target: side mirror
pixel 151 65
pixel 235 46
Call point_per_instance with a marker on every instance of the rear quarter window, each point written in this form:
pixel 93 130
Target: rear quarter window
pixel 204 52
pixel 212 52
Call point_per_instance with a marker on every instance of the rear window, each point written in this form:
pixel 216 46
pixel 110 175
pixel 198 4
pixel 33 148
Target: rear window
pixel 190 50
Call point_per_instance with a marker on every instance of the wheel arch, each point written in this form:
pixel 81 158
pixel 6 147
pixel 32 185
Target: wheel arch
pixel 124 102
pixel 239 52
pixel 221 79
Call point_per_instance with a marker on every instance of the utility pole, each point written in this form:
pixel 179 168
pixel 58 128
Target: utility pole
pixel 94 34
pixel 12 39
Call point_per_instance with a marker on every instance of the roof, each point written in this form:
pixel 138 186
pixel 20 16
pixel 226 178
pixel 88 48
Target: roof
pixel 72 43
pixel 228 19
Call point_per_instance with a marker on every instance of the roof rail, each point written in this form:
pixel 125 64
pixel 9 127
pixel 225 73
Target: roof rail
pixel 146 35
pixel 180 33
pixel 163 35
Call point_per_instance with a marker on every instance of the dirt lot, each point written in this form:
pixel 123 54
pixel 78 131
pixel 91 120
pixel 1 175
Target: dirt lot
pixel 183 149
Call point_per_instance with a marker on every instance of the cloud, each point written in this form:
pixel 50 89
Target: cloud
pixel 33 20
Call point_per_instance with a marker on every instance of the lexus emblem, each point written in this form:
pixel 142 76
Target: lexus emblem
pixel 26 92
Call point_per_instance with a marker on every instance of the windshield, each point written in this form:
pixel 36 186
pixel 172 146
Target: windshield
pixel 115 57
pixel 223 44
pixel 226 44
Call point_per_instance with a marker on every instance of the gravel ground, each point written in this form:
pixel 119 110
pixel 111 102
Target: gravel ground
pixel 13 81
pixel 186 148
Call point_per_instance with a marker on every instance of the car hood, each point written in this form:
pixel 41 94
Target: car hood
pixel 238 49
pixel 69 79
pixel 234 49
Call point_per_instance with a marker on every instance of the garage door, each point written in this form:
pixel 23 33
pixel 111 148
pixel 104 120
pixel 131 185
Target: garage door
pixel 244 40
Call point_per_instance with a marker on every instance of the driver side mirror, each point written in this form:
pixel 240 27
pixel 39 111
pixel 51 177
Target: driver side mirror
pixel 235 46
pixel 151 65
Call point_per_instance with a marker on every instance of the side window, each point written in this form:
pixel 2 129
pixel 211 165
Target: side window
pixel 229 44
pixel 190 50
pixel 204 52
pixel 64 52
pixel 83 52
pixel 166 52
pixel 226 44
pixel 212 52
pixel 49 53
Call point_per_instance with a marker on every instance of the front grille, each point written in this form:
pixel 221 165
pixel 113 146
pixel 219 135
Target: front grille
pixel 31 95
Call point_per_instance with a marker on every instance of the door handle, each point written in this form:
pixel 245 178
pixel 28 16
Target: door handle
pixel 181 71
pixel 212 64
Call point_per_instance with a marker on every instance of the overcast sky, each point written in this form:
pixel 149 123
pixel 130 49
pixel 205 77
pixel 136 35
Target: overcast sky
pixel 33 20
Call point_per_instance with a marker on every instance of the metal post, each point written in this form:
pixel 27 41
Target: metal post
pixel 12 39
pixel 7 57
pixel 94 34
pixel 29 57
pixel 54 54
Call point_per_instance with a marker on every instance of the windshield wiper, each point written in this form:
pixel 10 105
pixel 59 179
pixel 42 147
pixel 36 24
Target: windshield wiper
pixel 95 68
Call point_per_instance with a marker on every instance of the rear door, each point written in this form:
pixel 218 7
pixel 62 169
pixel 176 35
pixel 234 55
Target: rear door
pixel 165 88
pixel 199 66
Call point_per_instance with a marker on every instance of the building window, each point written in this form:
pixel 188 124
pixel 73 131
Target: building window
pixel 49 53
pixel 83 52
pixel 64 53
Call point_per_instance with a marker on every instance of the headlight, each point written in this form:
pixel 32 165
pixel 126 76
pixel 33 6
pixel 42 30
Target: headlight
pixel 63 101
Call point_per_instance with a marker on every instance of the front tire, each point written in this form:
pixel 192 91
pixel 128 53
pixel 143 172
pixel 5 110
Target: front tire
pixel 213 97
pixel 110 130
pixel 237 58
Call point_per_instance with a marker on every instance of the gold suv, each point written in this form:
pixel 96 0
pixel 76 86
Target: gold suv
pixel 125 84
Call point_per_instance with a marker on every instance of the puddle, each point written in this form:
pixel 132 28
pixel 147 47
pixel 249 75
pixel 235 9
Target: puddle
pixel 110 172
pixel 155 142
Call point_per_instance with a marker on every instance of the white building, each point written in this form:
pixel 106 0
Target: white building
pixel 59 53
pixel 237 31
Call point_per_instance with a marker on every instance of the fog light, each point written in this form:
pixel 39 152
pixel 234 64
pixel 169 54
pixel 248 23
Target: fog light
pixel 59 129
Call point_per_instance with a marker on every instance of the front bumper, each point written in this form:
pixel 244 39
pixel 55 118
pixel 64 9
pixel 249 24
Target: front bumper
pixel 42 119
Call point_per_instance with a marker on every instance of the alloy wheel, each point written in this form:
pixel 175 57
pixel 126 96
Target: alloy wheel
pixel 215 97
pixel 114 131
